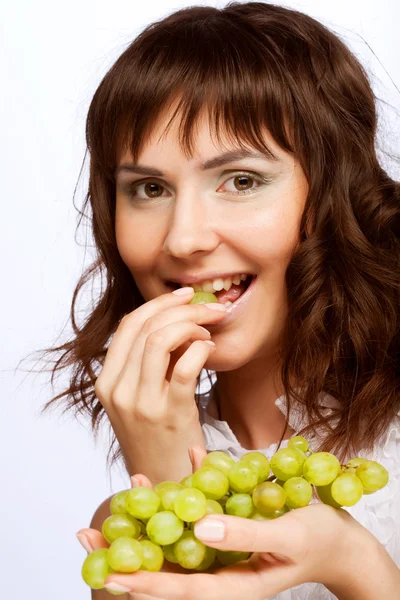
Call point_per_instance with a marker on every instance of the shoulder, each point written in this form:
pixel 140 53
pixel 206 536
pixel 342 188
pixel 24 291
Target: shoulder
pixel 100 515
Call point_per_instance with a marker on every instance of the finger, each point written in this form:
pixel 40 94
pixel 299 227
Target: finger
pixel 182 386
pixel 230 583
pixel 197 454
pixel 91 539
pixel 127 331
pixel 141 480
pixel 226 532
pixel 143 597
pixel 156 357
pixel 138 369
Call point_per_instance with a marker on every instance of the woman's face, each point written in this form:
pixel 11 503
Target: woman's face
pixel 191 221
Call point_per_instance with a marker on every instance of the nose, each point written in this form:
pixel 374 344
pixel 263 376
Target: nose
pixel 191 227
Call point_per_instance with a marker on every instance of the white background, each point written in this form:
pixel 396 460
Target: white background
pixel 53 56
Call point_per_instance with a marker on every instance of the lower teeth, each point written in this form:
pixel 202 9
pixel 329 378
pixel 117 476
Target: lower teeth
pixel 228 303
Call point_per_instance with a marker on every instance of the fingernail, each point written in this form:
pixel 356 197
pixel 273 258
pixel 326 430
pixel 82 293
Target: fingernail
pixel 216 306
pixel 84 542
pixel 210 530
pixel 116 587
pixel 183 291
pixel 204 329
pixel 135 482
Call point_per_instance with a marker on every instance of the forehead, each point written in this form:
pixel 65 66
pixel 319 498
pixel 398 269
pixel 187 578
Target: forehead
pixel 164 138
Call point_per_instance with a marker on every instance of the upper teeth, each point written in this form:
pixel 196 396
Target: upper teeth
pixel 217 285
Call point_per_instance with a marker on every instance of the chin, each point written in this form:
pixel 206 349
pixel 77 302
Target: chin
pixel 222 360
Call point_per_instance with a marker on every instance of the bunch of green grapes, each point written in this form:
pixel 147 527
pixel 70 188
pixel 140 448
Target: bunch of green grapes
pixel 150 525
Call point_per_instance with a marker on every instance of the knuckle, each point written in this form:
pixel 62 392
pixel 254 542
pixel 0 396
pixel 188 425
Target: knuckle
pixel 117 399
pixel 99 390
pixel 149 324
pixel 155 340
pixel 123 321
pixel 143 416
pixel 182 374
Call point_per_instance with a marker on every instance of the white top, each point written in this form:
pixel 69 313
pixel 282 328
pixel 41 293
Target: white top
pixel 378 512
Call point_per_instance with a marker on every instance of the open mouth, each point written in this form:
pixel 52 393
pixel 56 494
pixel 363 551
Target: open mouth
pixel 223 296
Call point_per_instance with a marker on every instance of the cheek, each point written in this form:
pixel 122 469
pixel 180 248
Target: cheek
pixel 137 244
pixel 270 237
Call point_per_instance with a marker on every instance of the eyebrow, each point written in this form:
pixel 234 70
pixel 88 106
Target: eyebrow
pixel 212 163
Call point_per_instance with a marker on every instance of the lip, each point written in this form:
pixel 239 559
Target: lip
pixel 235 309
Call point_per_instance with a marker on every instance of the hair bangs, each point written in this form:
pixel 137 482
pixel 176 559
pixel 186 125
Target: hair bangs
pixel 244 93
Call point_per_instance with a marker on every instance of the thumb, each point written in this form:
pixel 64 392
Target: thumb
pixel 91 539
pixel 196 455
pixel 226 532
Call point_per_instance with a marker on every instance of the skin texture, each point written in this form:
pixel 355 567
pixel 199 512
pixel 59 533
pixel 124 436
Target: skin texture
pixel 191 221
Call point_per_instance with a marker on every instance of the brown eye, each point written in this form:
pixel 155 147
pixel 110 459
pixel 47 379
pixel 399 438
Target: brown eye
pixel 150 191
pixel 242 178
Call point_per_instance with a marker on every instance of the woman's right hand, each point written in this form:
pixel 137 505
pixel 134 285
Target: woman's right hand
pixel 148 381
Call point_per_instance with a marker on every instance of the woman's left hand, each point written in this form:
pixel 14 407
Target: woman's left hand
pixel 316 543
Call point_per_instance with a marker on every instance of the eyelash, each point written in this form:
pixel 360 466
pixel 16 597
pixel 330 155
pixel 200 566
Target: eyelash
pixel 263 180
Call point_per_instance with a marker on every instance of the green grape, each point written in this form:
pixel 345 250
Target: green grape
pixel 190 505
pixel 231 557
pixel 240 505
pixel 373 476
pixel 243 477
pixel 169 553
pixel 299 442
pixel 353 463
pixel 321 468
pixel 347 489
pixel 189 551
pixel 268 497
pixel 298 492
pixel 142 502
pixel 187 481
pixel 153 556
pixel 164 528
pixel 287 463
pixel 345 469
pixel 95 569
pixel 125 555
pixel 208 560
pixel 267 516
pixel 218 460
pixel 117 504
pixel 203 298
pixel 213 507
pixel 120 525
pixel 212 482
pixel 261 463
pixel 168 490
pixel 325 495
pixel 257 516
pixel 278 513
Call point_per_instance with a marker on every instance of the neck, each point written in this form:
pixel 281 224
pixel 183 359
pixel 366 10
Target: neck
pixel 245 399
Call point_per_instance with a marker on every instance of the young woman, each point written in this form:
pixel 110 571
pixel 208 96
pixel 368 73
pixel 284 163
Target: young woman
pixel 234 148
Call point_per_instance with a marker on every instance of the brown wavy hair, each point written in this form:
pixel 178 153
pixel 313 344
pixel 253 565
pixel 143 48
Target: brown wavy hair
pixel 256 65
